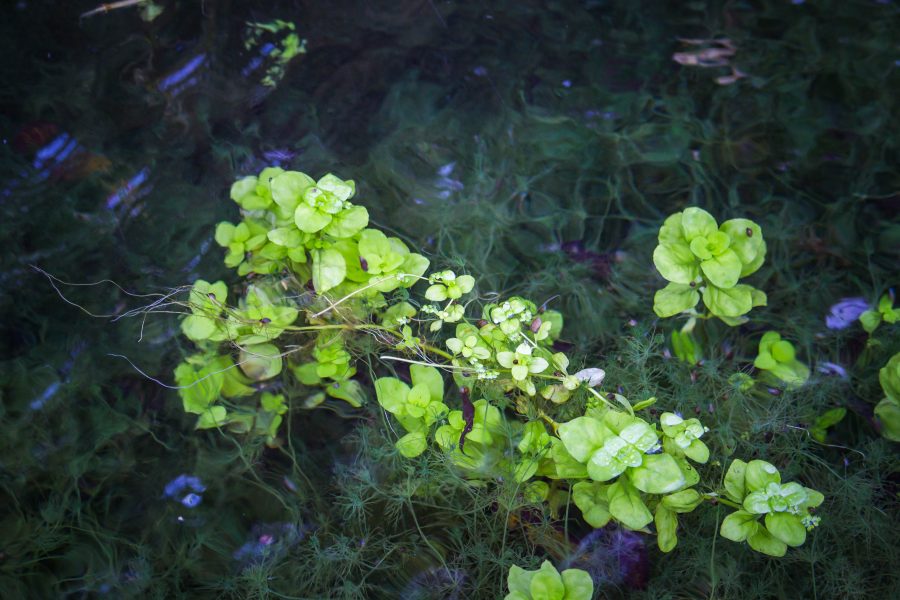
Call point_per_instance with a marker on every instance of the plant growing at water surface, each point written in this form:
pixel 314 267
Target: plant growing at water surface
pixel 321 282
pixel 888 410
pixel 547 583
pixel 778 358
pixel 884 312
pixel 785 507
pixel 703 260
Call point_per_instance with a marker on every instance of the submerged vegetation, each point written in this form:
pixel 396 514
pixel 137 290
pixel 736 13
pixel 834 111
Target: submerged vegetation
pixel 607 313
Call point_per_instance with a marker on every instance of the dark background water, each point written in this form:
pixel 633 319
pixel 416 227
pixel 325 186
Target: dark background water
pixel 538 143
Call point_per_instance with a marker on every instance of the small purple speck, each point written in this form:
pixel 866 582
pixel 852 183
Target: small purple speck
pixel 447 170
pixel 480 71
pixel 830 368
pixel 182 482
pixel 566 83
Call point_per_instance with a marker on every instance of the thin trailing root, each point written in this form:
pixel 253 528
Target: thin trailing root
pixel 105 8
pixel 160 298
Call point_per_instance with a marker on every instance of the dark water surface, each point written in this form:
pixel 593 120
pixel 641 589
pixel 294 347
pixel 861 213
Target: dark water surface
pixel 538 145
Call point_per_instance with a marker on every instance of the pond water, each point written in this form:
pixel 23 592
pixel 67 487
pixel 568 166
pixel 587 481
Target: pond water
pixel 537 146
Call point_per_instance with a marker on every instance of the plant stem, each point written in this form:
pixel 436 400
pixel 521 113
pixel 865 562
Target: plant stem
pixel 715 498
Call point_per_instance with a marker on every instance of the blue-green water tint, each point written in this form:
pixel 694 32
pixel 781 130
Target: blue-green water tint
pixel 539 145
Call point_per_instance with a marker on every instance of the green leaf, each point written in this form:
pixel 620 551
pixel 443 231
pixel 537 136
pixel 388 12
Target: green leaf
pixel 813 498
pixel 787 528
pixel 830 418
pixel 765 361
pixel 525 469
pixel 273 403
pixel 243 187
pixel 643 403
pixel 373 245
pixel 626 506
pixel 391 394
pixel 759 474
pixel 288 187
pixel 732 302
pixel 579 585
pixel 348 390
pixel 214 416
pixel 734 481
pixel 348 222
pixel 691 476
pixel 289 237
pixel 682 502
pixel 547 583
pixel 254 202
pixel 870 320
pixel 224 233
pixel 260 361
pixel 414 265
pixel 723 270
pixel 659 474
pixel 757 503
pixel 198 388
pixel 671 231
pixel 738 526
pixel 697 222
pixel 307 374
pixel 198 328
pixel 888 413
pixel 412 444
pixel 328 269
pixel 555 318
pixel 582 436
pixel 675 298
pixel 889 378
pixel 747 242
pixel 666 527
pixel 564 464
pixel 697 452
pixel 590 497
pixel 436 293
pixel 758 297
pixel 606 464
pixel 432 379
pixel 337 186
pixel 676 263
pixel 519 580
pixel 765 542
pixel 309 219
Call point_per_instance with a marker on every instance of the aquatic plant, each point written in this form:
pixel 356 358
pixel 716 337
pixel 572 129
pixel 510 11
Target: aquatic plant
pixel 333 279
pixel 702 259
pixel 883 312
pixel 778 358
pixel 757 487
pixel 547 583
pixel 888 409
